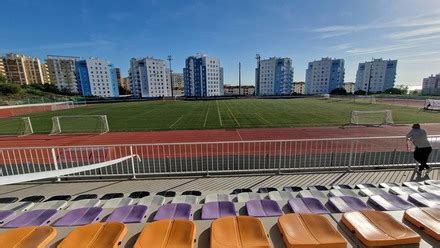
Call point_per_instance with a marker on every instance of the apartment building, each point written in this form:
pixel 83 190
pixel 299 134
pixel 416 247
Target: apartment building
pixel 96 77
pixel 203 76
pixel 62 72
pixel 149 77
pixel 376 75
pixel 274 76
pixel 324 75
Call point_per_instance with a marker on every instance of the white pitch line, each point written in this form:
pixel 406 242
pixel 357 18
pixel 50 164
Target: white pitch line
pixel 176 121
pixel 206 116
pixel 219 116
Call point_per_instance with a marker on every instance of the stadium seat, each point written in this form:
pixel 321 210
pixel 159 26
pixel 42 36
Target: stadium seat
pixel 239 231
pixel 167 233
pixel 138 194
pixel 39 217
pixel 342 192
pixel 307 205
pixel 243 190
pixel 79 217
pixel 317 187
pixel 6 200
pixel 430 189
pixel 413 185
pixel 266 190
pixel 173 211
pixel 402 190
pixel 112 196
pixel 280 195
pixel 85 203
pixel 312 193
pixel 17 206
pixel 152 201
pixel 342 186
pixel 247 196
pixel 97 235
pixel 375 228
pixel 59 205
pixel 365 185
pixel 85 197
pixel 117 202
pixel 388 185
pixel 292 188
pixel 167 193
pixel 433 182
pixel 216 197
pixel 34 198
pixel 425 199
pixel 6 214
pixel 343 204
pixel 192 192
pixel 263 208
pixel 427 219
pixel 128 214
pixel 389 202
pixel 59 198
pixel 215 210
pixel 35 237
pixel 190 199
pixel 371 191
pixel 309 230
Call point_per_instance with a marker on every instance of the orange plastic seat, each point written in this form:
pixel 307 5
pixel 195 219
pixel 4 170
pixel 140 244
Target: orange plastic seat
pixel 309 230
pixel 167 233
pixel 427 219
pixel 31 236
pixel 375 228
pixel 97 235
pixel 238 231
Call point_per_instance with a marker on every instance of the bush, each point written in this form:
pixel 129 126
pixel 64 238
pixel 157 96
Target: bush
pixel 9 88
pixel 339 91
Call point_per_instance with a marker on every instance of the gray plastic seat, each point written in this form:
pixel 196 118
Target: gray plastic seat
pixel 17 206
pixel 58 205
pixel 430 189
pixel 216 198
pixel 342 192
pixel 190 199
pixel 152 201
pixel 85 203
pixel 371 191
pixel 388 185
pixel 117 202
pixel 402 190
pixel 247 196
pixel 413 185
pixel 312 193
pixel 281 195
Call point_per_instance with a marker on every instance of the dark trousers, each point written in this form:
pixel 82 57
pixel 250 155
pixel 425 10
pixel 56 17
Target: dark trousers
pixel 421 155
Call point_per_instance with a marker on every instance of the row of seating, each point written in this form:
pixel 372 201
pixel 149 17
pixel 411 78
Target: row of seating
pixel 372 228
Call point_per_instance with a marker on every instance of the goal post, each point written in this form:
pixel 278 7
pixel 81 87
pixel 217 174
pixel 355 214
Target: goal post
pixel 364 99
pixel 16 126
pixel 77 124
pixel 432 104
pixel 371 117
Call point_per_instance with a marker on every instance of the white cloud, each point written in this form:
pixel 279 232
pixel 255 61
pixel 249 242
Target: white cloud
pixel 381 49
pixel 415 33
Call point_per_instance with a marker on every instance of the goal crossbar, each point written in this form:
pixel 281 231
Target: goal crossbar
pixel 77 124
pixel 371 117
pixel 432 104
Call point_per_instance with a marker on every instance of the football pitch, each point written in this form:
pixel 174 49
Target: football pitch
pixel 221 114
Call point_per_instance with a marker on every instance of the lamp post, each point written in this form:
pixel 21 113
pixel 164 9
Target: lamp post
pixel 171 76
pixel 257 86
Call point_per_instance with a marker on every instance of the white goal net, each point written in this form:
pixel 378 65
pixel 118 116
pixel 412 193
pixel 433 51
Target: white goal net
pixel 76 124
pixel 16 126
pixel 365 99
pixel 371 117
pixel 432 104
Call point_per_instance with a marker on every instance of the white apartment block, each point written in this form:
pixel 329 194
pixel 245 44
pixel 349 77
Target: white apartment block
pixel 275 76
pixel 323 76
pixel 203 76
pixel 97 77
pixel 149 77
pixel 431 85
pixel 376 76
pixel 62 72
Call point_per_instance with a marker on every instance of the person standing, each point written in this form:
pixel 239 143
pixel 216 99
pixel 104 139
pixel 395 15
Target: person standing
pixel 419 138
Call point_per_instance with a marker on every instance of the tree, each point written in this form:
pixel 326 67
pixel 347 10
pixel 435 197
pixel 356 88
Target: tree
pixel 9 88
pixel 401 90
pixel 339 91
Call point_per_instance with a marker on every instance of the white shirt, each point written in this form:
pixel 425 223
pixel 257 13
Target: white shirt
pixel 419 138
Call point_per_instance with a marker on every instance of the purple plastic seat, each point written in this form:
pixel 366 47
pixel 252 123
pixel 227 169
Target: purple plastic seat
pixel 38 217
pixel 128 214
pixel 263 208
pixel 173 211
pixel 79 217
pixel 4 214
pixel 425 199
pixel 389 202
pixel 215 210
pixel 344 204
pixel 307 205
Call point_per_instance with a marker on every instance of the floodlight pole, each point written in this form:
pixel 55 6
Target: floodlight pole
pixel 171 76
pixel 239 78
pixel 257 83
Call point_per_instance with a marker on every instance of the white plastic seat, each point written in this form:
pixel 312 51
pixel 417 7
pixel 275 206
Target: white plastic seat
pixel 17 206
pixel 190 199
pixel 58 205
pixel 371 191
pixel 413 185
pixel 312 193
pixel 86 203
pixel 247 196
pixel 343 192
pixel 280 195
pixel 430 189
pixel 117 202
pixel 152 201
pixel 216 198
pixel 402 190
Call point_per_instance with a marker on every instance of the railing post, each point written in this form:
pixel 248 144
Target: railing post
pixel 350 160
pixel 279 161
pixel 132 162
pixel 55 162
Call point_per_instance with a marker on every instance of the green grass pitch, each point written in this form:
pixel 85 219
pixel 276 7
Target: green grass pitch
pixel 219 114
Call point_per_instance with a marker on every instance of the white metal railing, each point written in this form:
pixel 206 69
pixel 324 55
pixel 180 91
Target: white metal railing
pixel 218 157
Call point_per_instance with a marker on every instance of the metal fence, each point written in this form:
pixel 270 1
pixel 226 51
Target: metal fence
pixel 219 157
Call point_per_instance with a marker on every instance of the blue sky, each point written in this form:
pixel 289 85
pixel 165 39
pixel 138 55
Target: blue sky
pixel 232 30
